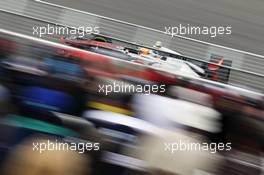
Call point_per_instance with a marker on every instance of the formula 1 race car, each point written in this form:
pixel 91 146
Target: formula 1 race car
pixel 161 58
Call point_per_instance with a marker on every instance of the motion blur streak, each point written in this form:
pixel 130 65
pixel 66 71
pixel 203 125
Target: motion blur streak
pixel 39 82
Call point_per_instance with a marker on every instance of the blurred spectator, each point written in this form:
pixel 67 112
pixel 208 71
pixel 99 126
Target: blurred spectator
pixel 190 95
pixel 181 162
pixel 5 101
pixel 172 113
pixel 23 160
pixel 7 47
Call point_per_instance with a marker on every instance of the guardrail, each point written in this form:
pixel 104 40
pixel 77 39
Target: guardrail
pixel 247 68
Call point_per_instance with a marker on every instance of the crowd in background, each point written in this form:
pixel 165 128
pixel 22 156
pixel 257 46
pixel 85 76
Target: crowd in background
pixel 45 96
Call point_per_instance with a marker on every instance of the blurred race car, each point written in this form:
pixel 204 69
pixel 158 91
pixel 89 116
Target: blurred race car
pixel 87 41
pixel 97 44
pixel 101 64
pixel 160 58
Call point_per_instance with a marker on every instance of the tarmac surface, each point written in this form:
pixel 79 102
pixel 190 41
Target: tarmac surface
pixel 245 17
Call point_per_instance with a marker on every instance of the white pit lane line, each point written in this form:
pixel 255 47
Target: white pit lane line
pixel 151 29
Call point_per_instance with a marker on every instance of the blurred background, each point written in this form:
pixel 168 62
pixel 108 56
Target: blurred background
pixel 50 87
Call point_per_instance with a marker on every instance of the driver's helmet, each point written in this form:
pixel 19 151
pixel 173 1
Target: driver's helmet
pixel 158 44
pixel 100 39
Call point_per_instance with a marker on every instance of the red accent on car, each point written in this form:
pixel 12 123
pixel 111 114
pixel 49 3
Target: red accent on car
pixel 215 77
pixel 215 67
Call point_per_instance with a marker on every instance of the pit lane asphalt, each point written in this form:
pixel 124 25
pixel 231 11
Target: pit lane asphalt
pixel 246 17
